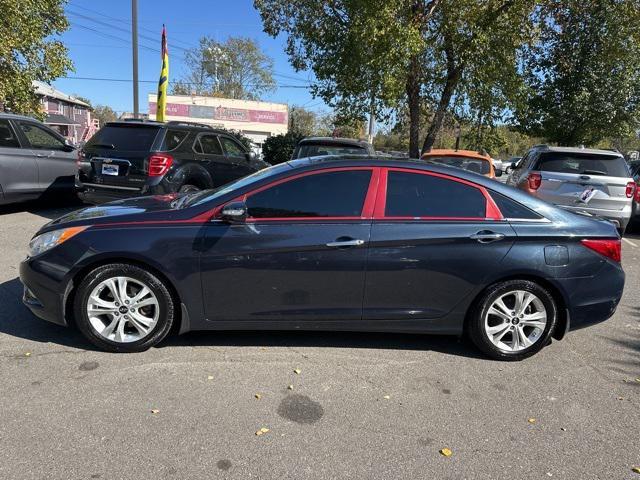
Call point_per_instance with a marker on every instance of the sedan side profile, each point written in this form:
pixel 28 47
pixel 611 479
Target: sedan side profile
pixel 336 243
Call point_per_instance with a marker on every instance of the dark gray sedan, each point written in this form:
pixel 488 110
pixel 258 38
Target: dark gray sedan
pixel 33 160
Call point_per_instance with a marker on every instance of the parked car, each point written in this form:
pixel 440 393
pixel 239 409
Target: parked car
pixel 315 146
pixel 470 160
pixel 579 179
pixel 34 160
pixel 635 174
pixel 134 158
pixel 444 250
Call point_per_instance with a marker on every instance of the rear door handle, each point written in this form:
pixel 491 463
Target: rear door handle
pixel 486 236
pixel 346 243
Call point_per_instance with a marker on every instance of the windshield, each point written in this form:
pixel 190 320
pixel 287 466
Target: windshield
pixel 124 137
pixel 204 196
pixel 313 150
pixel 583 164
pixel 476 165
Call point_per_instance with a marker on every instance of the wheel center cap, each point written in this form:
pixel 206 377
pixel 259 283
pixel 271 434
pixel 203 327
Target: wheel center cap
pixel 515 321
pixel 123 309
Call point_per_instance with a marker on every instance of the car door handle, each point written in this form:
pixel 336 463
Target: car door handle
pixel 346 243
pixel 487 236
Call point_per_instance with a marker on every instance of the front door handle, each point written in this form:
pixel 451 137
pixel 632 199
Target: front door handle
pixel 487 236
pixel 346 243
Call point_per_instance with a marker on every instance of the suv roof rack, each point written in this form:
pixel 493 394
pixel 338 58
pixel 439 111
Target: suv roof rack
pixel 191 124
pixel 541 145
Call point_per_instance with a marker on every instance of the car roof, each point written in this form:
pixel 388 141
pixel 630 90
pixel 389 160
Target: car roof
pixel 14 116
pixel 591 151
pixel 441 152
pixel 335 140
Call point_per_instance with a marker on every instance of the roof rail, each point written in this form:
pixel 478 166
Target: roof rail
pixel 541 145
pixel 192 124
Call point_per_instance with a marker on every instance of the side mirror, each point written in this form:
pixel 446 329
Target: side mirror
pixel 234 212
pixel 514 165
pixel 498 172
pixel 68 146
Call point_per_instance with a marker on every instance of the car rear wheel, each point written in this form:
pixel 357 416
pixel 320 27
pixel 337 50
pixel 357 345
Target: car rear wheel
pixel 123 308
pixel 513 320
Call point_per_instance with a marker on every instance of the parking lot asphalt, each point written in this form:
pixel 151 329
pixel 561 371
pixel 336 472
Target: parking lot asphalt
pixel 362 405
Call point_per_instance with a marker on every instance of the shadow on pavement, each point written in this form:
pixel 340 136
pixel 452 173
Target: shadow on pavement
pixel 17 321
pixel 46 207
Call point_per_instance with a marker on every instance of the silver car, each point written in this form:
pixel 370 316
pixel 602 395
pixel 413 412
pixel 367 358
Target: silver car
pixel 33 160
pixel 579 179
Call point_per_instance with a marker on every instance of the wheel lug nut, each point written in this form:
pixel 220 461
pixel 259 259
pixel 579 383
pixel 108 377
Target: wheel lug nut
pixel 126 317
pixel 127 302
pixel 117 304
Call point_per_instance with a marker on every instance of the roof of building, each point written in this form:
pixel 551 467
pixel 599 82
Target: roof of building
pixel 42 88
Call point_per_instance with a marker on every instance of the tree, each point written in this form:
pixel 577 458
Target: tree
pixel 302 122
pixel 583 74
pixel 30 51
pixel 104 114
pixel 382 56
pixel 236 68
pixel 279 148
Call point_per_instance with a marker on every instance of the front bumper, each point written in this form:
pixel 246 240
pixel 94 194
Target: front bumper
pixel 42 295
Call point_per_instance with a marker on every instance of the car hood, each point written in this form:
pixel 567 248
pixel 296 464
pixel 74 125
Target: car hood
pixel 154 208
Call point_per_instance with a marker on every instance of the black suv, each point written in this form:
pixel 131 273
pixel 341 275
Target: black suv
pixel 131 158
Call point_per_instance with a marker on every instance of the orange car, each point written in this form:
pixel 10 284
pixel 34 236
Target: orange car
pixel 477 162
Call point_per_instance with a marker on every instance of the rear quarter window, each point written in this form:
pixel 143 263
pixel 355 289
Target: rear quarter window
pixel 132 138
pixel 582 164
pixel 172 139
pixel 511 209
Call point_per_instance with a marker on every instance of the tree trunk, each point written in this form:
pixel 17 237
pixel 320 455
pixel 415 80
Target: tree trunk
pixel 413 96
pixel 443 105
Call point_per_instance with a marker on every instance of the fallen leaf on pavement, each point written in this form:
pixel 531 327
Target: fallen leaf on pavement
pixel 155 410
pixel 563 429
pixel 290 387
pixel 297 371
pixel 27 354
pixel 636 469
pixel 446 452
pixel 258 396
pixel 387 397
pixel 210 377
pixel 532 420
pixel 262 431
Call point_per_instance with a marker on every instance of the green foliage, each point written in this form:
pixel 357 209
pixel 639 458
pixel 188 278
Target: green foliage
pixel 236 68
pixel 583 73
pixel 279 148
pixel 104 114
pixel 30 51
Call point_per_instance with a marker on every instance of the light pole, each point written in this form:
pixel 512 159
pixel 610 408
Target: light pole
pixel 134 48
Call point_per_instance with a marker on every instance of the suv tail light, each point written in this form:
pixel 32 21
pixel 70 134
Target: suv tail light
pixel 80 158
pixel 534 179
pixel 610 248
pixel 637 197
pixel 159 164
pixel 631 188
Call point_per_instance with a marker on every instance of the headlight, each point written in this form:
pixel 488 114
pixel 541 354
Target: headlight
pixel 48 240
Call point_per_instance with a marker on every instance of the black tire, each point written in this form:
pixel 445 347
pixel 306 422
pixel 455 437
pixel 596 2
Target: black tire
pixel 188 188
pixel 157 287
pixel 476 327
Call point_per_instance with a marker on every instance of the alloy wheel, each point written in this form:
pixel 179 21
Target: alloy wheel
pixel 515 321
pixel 123 309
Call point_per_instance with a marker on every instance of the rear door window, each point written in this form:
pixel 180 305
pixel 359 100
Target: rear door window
pixel 210 145
pixel 583 164
pixel 331 194
pixel 420 195
pixel 8 138
pixel 133 138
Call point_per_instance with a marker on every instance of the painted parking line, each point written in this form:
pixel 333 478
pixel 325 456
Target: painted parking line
pixel 629 242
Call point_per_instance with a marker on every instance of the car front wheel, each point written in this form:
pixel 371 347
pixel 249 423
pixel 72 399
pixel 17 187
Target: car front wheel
pixel 513 320
pixel 123 308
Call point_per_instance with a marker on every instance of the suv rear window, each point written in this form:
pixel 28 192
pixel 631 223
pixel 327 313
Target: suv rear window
pixel 583 164
pixel 136 138
pixel 476 165
pixel 312 150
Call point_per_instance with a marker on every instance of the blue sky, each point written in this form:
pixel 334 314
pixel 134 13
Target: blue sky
pixel 99 43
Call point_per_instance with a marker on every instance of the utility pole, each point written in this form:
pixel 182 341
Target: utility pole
pixel 372 120
pixel 134 47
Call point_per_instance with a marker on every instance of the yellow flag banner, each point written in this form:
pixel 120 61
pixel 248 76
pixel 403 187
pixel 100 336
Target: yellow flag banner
pixel 164 79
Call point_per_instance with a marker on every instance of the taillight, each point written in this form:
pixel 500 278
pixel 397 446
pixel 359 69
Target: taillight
pixel 630 190
pixel 534 179
pixel 159 164
pixel 608 247
pixel 637 197
pixel 80 158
